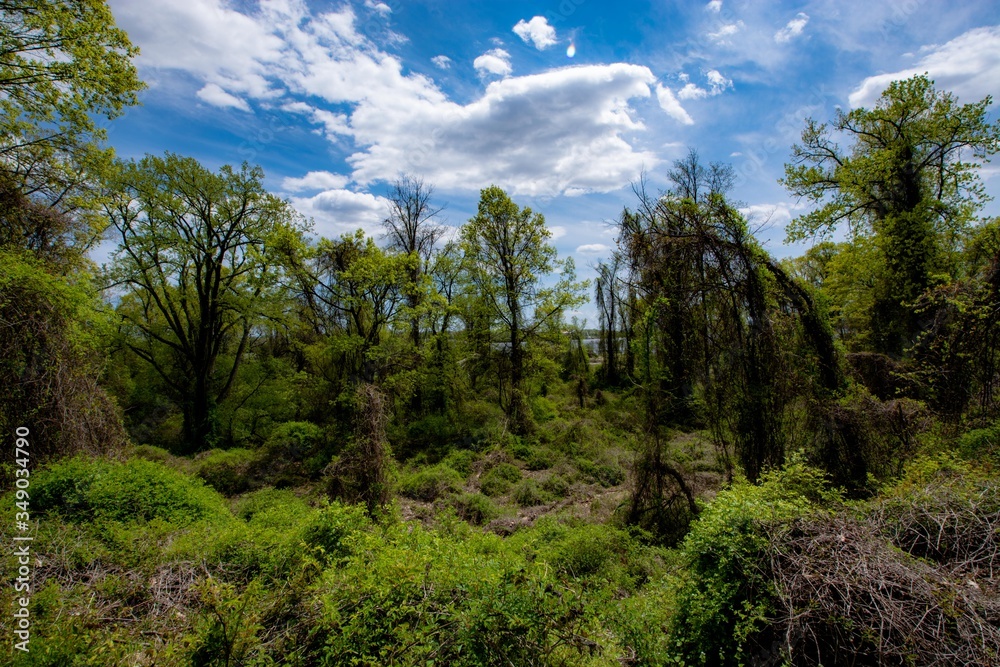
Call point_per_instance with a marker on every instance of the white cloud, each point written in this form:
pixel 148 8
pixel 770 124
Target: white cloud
pixel 444 62
pixel 537 31
pixel 339 211
pixel 691 92
pixel 714 6
pixel 792 29
pixel 773 215
pixel 592 248
pixel 205 37
pixel 716 84
pixel 316 180
pixel 725 30
pixel 538 134
pixel 968 66
pixel 563 129
pixel 495 61
pixel 333 123
pixel 670 104
pixel 216 96
pixel 557 231
pixel 379 7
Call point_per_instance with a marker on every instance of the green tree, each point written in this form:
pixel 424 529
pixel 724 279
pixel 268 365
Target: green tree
pixel 196 256
pixel 907 181
pixel 353 291
pixel 63 65
pixel 509 257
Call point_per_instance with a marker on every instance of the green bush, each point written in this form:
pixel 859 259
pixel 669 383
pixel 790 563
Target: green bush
pixel 981 444
pixel 431 483
pixel 725 597
pixel 527 493
pixel 227 470
pixel 328 530
pixel 541 458
pixel 94 489
pixel 461 460
pixel 607 474
pixel 294 441
pixel 557 485
pixel 497 480
pixel 475 508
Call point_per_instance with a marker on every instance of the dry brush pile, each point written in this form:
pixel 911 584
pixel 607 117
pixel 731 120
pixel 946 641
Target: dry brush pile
pixel 910 581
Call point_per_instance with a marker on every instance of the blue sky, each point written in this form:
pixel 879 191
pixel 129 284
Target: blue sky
pixel 563 103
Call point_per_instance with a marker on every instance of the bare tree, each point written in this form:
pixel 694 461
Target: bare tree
pixel 410 229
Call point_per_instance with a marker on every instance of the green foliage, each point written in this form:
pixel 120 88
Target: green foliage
pixel 198 255
pixel 498 480
pixel 461 460
pixel 905 188
pixel 227 471
pixel 431 483
pixel 65 65
pixel 981 444
pixel 51 351
pixel 475 508
pixel 508 252
pixel 527 493
pixel 82 489
pixel 726 595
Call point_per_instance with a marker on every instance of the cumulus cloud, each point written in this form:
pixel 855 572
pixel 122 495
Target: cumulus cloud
pixel 444 62
pixel 968 66
pixel 538 134
pixel 338 211
pixel 792 29
pixel 668 102
pixel 494 61
pixel 536 31
pixel 716 84
pixel 226 47
pixel 216 96
pixel 316 180
pixel 561 130
pixel 592 249
pixel 714 6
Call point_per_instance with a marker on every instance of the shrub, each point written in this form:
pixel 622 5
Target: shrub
pixel 981 444
pixel 726 598
pixel 607 474
pixel 94 489
pixel 497 480
pixel 475 508
pixel 327 531
pixel 461 460
pixel 527 493
pixel 227 471
pixel 557 485
pixel 431 483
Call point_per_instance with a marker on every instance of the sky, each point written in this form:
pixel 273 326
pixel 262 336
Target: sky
pixel 566 104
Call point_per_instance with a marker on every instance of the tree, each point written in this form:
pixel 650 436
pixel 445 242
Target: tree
pixel 508 258
pixel 63 64
pixel 53 337
pixel 196 257
pixel 907 181
pixel 410 230
pixel 353 291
